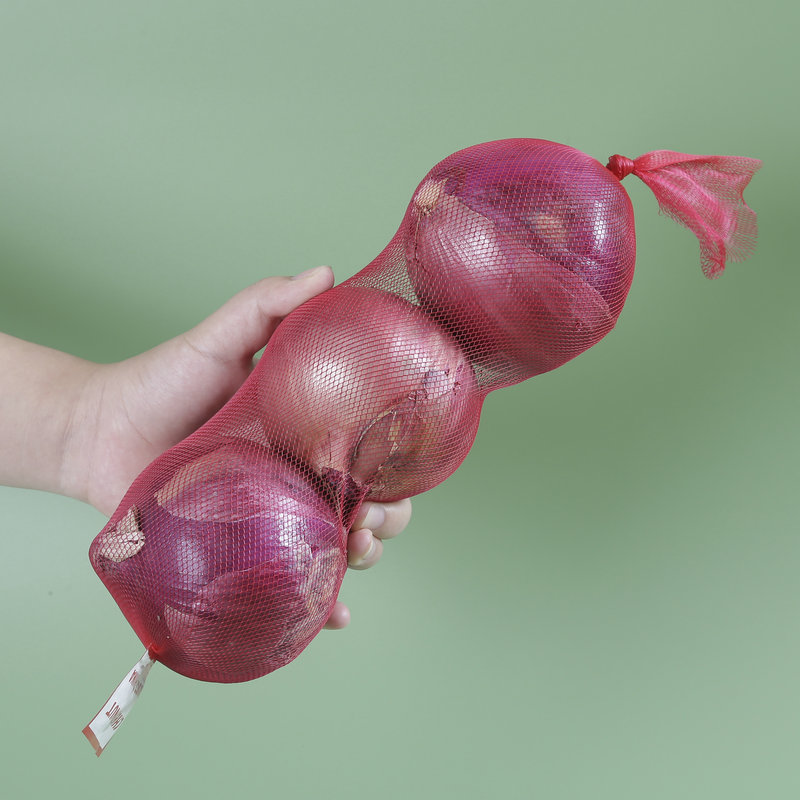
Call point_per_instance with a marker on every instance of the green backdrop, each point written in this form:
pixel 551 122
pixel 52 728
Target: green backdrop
pixel 602 602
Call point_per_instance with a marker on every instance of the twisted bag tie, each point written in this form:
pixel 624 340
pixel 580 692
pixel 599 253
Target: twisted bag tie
pixel 621 166
pixel 704 194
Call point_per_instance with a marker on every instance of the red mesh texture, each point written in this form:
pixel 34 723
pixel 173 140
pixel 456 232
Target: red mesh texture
pixel 705 194
pixel 227 553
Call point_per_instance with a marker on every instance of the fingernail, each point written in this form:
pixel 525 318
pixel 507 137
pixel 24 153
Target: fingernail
pixel 372 545
pixel 376 516
pixel 360 562
pixel 307 273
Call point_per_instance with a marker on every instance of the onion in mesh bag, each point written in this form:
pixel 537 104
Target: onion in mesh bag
pixel 525 257
pixel 362 383
pixel 230 568
pixel 227 552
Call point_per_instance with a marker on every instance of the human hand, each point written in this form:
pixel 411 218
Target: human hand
pixel 373 523
pixel 132 411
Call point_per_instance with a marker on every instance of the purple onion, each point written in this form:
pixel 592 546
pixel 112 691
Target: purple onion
pixel 515 312
pixel 371 389
pixel 238 561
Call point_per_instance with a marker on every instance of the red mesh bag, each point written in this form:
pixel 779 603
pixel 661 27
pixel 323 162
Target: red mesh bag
pixel 513 257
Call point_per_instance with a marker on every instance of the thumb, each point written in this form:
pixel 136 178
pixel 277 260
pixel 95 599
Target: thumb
pixel 241 327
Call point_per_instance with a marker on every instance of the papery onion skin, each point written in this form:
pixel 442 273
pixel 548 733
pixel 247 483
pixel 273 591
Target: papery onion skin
pixel 526 257
pixel 515 312
pixel 371 388
pixel 558 201
pixel 229 589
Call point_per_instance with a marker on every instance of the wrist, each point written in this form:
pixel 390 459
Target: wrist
pixel 85 389
pixel 42 394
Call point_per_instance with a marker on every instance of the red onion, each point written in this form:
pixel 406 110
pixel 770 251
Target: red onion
pixel 561 203
pixel 371 388
pixel 526 266
pixel 516 312
pixel 229 569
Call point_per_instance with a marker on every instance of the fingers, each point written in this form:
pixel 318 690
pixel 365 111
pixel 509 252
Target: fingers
pixel 241 327
pixel 339 618
pixel 365 544
pixel 373 523
pixel 385 520
pixel 363 549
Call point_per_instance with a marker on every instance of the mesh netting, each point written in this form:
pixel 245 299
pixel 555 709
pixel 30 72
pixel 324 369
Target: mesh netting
pixel 513 257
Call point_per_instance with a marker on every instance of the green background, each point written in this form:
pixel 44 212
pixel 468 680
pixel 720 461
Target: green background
pixel 602 602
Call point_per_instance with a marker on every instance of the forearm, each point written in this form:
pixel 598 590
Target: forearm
pixel 39 402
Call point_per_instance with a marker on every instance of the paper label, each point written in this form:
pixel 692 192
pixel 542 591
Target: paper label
pixel 100 730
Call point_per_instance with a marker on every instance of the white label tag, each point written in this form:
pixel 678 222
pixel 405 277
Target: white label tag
pixel 100 730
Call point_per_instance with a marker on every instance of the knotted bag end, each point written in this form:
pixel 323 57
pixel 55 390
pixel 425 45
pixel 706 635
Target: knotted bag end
pixel 704 194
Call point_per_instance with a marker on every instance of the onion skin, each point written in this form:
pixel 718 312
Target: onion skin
pixel 516 313
pixel 526 257
pixel 370 388
pixel 241 564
